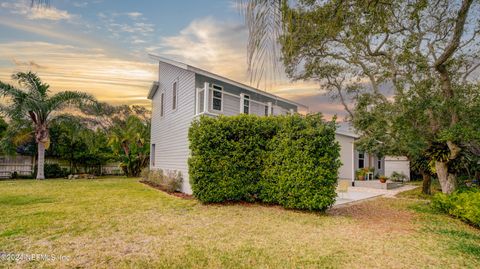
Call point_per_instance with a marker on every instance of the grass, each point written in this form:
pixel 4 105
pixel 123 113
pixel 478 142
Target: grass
pixel 120 223
pixel 417 192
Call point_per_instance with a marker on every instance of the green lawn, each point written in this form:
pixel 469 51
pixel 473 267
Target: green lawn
pixel 119 223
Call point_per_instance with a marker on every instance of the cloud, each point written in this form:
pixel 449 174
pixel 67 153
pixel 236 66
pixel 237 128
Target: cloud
pixel 216 46
pixel 134 15
pixel 80 4
pixel 37 13
pixel 66 67
pixel 30 64
pixel 127 27
pixel 220 47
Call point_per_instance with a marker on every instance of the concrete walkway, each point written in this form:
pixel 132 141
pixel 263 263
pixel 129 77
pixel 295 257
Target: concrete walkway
pixel 357 194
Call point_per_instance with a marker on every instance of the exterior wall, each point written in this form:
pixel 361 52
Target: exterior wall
pixel 397 164
pixel 170 132
pixel 370 161
pixel 346 171
pixel 232 104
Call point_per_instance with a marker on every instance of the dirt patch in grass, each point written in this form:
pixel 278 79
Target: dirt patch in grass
pixel 158 187
pixel 384 218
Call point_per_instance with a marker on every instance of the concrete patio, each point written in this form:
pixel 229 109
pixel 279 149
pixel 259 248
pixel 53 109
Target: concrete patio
pixel 357 194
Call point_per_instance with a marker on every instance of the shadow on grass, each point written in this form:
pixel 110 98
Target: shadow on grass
pixel 13 200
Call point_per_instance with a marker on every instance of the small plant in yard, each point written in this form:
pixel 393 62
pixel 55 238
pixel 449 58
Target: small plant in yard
pixel 360 174
pixel 171 181
pixel 383 178
pixel 398 177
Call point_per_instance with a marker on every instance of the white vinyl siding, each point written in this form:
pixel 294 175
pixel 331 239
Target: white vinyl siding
pixel 170 133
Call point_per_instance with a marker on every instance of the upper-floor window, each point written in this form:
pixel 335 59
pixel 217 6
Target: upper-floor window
pixel 174 96
pixel 200 101
pixel 266 110
pixel 217 97
pixel 246 104
pixel 162 101
pixel 379 164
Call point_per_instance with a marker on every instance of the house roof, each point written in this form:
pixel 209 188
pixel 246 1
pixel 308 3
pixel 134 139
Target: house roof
pixel 197 70
pixel 346 129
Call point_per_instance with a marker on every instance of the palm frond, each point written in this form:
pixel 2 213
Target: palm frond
pixel 33 83
pixel 39 3
pixel 65 98
pixel 264 23
pixel 7 90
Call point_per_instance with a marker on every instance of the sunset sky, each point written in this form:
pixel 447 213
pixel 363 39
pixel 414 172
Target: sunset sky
pixel 102 46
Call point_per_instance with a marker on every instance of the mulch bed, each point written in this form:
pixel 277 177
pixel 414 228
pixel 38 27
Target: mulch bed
pixel 159 187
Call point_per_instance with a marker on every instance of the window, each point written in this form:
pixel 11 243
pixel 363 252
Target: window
pixel 271 112
pixel 162 97
pixel 217 98
pixel 379 163
pixel 152 155
pixel 174 96
pixel 266 110
pixel 361 160
pixel 201 101
pixel 246 104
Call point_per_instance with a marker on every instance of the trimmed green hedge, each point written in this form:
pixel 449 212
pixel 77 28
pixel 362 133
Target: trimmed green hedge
pixel 288 160
pixel 464 205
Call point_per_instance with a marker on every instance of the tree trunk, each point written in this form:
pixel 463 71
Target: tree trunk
pixel 426 183
pixel 448 181
pixel 40 160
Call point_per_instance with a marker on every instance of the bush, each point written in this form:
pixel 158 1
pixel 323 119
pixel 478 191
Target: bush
pixel 398 177
pixel 52 170
pixel 463 204
pixel 169 182
pixel 288 160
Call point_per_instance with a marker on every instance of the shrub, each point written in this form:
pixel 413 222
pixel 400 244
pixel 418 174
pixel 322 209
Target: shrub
pixel 463 204
pixel 169 182
pixel 286 160
pixel 52 170
pixel 398 177
pixel 145 173
pixel 226 161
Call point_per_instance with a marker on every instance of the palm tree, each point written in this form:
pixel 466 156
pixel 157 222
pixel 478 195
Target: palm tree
pixel 33 104
pixel 129 141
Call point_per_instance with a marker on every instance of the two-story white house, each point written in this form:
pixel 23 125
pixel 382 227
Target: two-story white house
pixel 184 92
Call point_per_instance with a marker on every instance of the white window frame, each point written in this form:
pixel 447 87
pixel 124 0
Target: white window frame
pixel 200 108
pixel 213 97
pixel 363 159
pixel 175 95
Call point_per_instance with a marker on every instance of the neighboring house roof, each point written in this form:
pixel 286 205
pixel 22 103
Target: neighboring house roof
pixel 346 129
pixel 197 70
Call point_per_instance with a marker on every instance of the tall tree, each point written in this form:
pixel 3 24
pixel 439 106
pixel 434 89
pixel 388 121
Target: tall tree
pixel 422 50
pixel 32 103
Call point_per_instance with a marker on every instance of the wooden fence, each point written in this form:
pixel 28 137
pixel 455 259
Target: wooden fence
pixel 24 166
